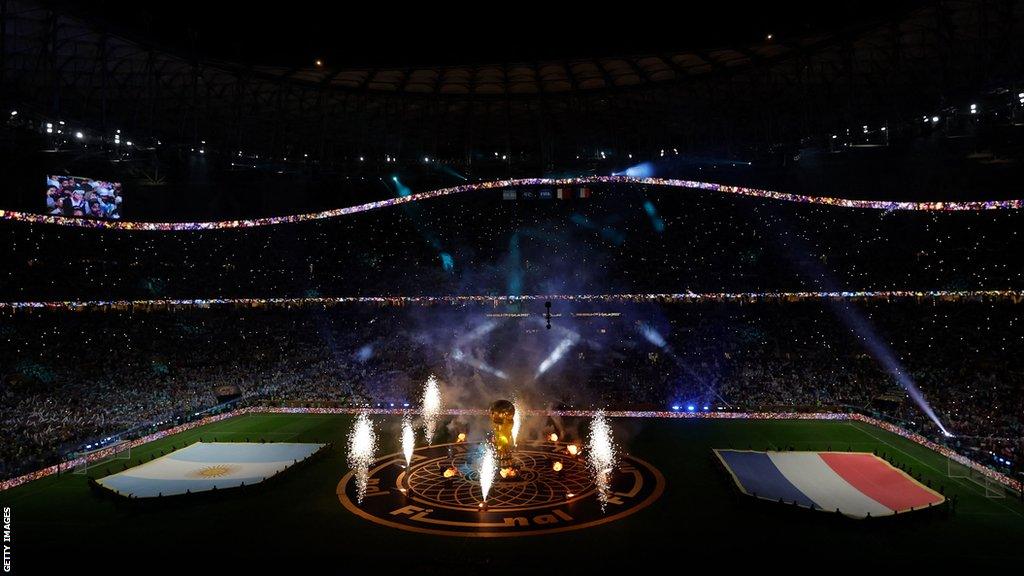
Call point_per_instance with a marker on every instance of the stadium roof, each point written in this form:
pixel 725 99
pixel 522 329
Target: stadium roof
pixel 778 89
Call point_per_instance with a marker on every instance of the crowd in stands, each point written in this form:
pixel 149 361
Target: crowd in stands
pixel 619 240
pixel 72 379
pixel 69 379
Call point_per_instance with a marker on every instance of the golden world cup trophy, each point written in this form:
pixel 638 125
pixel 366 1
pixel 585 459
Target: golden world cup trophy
pixel 503 414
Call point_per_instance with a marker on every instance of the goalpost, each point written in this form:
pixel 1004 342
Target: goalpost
pixel 119 451
pixel 992 487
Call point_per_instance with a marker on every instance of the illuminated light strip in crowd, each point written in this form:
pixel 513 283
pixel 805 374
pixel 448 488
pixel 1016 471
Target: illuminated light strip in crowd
pixel 663 298
pixel 888 205
pixel 1003 479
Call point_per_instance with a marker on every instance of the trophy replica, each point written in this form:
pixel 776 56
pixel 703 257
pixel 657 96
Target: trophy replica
pixel 503 415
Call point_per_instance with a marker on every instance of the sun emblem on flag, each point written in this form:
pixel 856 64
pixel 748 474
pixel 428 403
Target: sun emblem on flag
pixel 213 471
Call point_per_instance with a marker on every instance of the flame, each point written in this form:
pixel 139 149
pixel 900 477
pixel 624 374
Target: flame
pixel 557 466
pixel 461 438
pixel 450 471
pixel 553 437
pixel 573 449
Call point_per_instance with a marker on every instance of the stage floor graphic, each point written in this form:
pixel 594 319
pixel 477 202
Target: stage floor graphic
pixel 421 498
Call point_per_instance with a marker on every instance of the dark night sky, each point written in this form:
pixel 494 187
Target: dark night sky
pixel 396 34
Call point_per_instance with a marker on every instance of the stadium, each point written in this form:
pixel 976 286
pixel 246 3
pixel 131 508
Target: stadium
pixel 564 289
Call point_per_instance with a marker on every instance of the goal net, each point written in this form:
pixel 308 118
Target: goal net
pixel 992 487
pixel 118 452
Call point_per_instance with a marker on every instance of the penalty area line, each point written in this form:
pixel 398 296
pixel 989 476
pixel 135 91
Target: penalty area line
pixel 973 489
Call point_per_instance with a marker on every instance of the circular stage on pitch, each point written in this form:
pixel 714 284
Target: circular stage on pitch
pixel 539 500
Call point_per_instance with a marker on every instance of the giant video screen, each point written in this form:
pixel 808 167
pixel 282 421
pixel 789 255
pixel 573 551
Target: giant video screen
pixel 77 197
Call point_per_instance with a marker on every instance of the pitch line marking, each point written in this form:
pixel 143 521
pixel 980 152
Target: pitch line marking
pixel 937 471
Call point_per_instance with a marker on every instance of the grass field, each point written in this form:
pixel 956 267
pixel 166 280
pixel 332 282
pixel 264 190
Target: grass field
pixel 700 519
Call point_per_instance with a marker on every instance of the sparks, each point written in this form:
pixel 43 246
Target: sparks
pixel 488 469
pixel 517 419
pixel 431 405
pixel 601 455
pixel 408 439
pixel 362 444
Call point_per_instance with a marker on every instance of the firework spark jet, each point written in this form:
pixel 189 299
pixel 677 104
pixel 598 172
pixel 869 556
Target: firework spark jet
pixel 362 445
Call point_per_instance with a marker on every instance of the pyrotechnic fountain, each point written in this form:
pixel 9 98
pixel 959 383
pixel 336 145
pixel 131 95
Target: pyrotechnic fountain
pixel 431 407
pixel 601 455
pixel 488 469
pixel 517 419
pixel 498 484
pixel 362 444
pixel 408 439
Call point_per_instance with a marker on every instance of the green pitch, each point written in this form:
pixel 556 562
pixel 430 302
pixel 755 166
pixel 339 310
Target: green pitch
pixel 700 518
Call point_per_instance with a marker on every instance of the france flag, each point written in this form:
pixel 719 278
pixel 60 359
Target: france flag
pixel 855 484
